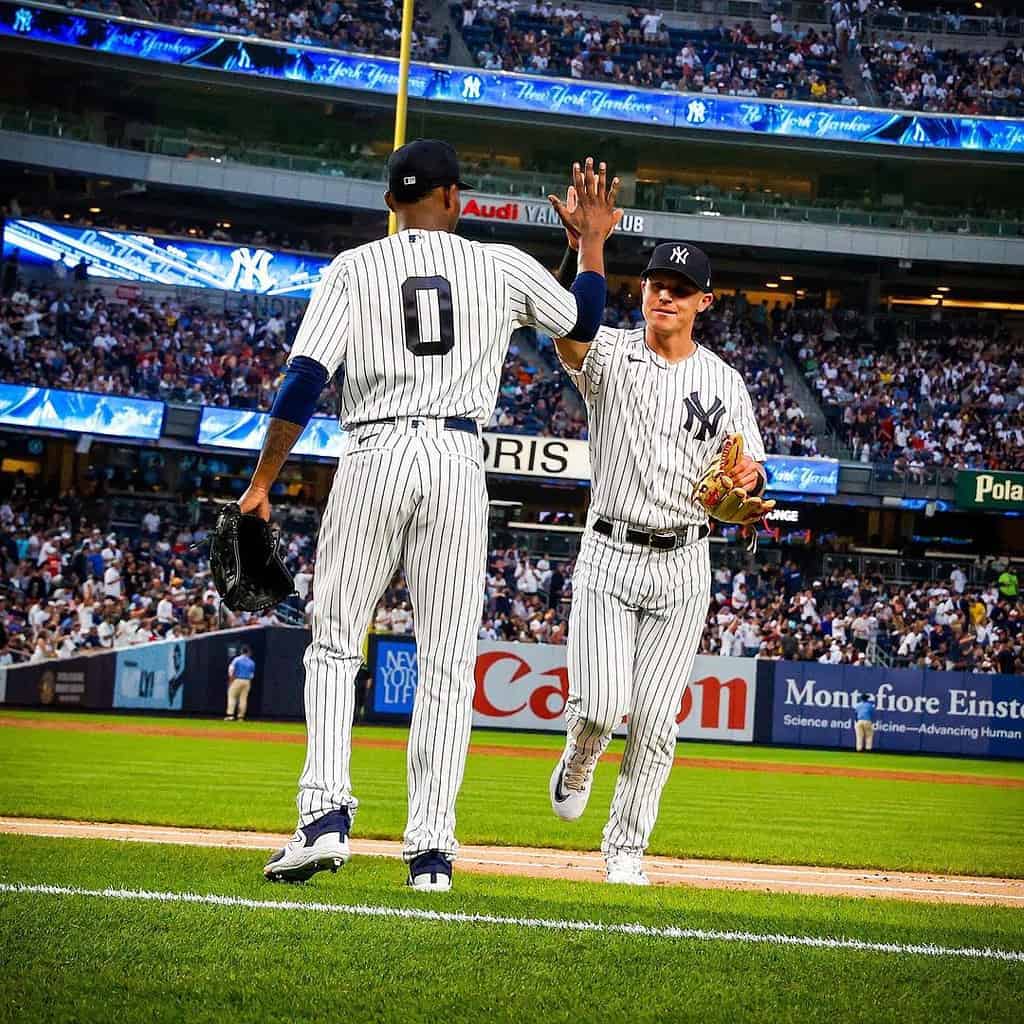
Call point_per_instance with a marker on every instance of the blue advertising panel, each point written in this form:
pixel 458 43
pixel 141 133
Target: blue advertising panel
pixel 81 412
pixel 151 676
pixel 802 476
pixel 176 261
pixel 245 431
pixel 395 675
pixel 508 91
pixel 917 709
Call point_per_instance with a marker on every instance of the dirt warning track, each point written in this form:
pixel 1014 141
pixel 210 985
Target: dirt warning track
pixel 246 734
pixel 588 866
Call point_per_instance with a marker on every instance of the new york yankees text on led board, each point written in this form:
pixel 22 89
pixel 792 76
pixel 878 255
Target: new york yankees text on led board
pixel 530 93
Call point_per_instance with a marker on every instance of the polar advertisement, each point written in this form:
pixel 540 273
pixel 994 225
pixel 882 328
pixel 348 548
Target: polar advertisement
pixel 525 686
pixel 127 256
pixel 916 709
pixel 506 91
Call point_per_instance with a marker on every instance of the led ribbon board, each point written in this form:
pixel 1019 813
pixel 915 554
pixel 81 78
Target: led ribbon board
pixel 527 93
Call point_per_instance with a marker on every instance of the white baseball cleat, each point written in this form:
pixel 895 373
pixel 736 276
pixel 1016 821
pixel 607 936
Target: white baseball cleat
pixel 570 788
pixel 625 869
pixel 320 846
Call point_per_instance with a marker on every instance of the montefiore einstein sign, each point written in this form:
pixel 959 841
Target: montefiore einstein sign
pixel 916 709
pixel 990 490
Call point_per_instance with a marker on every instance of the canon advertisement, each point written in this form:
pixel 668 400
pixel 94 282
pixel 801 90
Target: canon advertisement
pixel 916 709
pixel 525 686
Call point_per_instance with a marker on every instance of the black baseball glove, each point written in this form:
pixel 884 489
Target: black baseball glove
pixel 247 570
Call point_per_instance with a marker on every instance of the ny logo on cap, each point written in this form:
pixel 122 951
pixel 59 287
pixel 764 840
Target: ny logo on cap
pixel 409 180
pixel 679 255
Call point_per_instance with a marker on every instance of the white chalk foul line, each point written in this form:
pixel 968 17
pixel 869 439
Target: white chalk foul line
pixel 547 924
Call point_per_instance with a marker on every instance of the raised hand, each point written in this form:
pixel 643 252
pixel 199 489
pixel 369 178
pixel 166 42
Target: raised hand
pixel 589 206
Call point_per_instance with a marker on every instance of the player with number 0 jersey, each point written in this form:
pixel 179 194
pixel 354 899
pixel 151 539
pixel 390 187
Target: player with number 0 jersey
pixel 420 321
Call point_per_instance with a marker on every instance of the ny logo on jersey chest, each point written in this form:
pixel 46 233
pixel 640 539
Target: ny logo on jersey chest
pixel 701 422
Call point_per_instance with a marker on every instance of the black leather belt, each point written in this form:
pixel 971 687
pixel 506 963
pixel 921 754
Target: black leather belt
pixel 450 423
pixel 663 540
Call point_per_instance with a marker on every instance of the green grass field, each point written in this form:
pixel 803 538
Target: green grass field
pixel 115 957
pixel 105 959
pixel 705 812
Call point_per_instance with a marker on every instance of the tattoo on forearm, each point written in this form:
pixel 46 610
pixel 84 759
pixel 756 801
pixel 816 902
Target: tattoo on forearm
pixel 277 446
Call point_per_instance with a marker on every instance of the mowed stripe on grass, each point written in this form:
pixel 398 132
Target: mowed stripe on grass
pixel 501 750
pixel 634 929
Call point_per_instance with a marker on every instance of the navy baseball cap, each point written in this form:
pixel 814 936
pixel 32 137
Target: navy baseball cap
pixel 418 167
pixel 684 259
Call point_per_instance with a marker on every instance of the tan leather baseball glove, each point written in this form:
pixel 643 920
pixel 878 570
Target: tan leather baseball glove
pixel 722 499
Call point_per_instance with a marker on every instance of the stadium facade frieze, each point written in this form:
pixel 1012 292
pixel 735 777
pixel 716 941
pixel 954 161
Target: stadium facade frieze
pixel 514 93
pixel 513 213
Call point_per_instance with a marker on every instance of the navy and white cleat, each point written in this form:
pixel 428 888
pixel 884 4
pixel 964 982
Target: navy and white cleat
pixel 430 872
pixel 321 845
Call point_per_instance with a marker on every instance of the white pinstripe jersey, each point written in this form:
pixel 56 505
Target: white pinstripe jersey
pixel 422 322
pixel 655 425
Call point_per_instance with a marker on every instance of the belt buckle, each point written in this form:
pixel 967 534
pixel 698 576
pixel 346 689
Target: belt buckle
pixel 665 535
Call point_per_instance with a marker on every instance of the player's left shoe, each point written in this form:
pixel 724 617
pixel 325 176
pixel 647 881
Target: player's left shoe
pixel 570 788
pixel 625 869
pixel 430 872
pixel 322 845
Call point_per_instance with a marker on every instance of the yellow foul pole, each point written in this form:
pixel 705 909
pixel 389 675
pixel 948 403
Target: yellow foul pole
pixel 402 103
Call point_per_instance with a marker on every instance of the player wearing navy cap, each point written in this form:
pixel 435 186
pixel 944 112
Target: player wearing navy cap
pixel 659 408
pixel 421 322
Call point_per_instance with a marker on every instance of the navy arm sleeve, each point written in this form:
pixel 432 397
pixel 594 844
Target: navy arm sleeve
pixel 296 398
pixel 590 291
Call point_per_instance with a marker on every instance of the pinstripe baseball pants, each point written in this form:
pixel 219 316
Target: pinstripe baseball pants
pixel 413 494
pixel 634 629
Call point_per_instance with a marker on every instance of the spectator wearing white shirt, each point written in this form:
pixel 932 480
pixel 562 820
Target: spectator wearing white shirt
pixel 650 25
pixel 165 610
pixel 959 579
pixel 112 581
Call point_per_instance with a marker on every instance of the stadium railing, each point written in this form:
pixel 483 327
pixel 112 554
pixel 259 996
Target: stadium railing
pixel 526 184
pixel 911 571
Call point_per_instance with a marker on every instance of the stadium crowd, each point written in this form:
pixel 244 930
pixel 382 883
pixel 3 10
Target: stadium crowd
pixel 916 76
pixel 75 339
pixel 74 583
pixel 641 50
pixel 843 619
pixel 952 397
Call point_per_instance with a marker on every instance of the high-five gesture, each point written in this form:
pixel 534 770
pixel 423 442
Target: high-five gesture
pixel 589 207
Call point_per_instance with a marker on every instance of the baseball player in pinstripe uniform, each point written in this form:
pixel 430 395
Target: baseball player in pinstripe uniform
pixel 660 406
pixel 421 322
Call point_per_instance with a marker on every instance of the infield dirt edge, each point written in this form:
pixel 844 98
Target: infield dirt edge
pixel 586 866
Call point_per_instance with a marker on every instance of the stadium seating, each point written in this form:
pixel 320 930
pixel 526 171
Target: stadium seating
pixel 952 396
pixel 565 41
pixel 915 76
